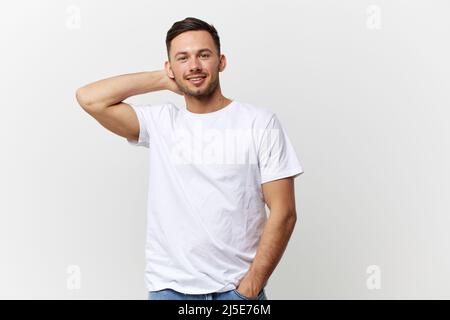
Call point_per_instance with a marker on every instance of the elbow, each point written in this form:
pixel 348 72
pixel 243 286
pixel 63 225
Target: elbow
pixel 293 218
pixel 86 103
pixel 284 214
pixel 290 218
pixel 291 222
pixel 81 97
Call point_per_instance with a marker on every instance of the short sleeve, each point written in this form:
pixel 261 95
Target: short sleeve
pixel 276 156
pixel 143 114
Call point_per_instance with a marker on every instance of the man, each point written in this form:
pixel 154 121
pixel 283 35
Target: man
pixel 214 165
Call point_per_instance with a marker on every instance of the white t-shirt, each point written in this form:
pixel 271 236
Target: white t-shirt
pixel 206 211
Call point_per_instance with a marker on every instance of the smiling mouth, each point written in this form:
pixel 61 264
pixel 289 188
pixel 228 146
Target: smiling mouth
pixel 197 81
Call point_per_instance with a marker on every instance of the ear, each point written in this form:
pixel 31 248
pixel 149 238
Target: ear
pixel 168 69
pixel 222 62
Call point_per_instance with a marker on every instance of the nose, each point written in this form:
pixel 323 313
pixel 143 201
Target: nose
pixel 194 65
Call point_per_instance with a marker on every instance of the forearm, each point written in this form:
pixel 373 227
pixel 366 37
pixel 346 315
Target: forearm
pixel 110 91
pixel 273 243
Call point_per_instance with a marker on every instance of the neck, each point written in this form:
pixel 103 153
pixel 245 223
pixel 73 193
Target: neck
pixel 207 104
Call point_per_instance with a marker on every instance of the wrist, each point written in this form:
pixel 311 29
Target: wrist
pixel 155 81
pixel 163 83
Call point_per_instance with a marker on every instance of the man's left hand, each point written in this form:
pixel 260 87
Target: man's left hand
pixel 248 288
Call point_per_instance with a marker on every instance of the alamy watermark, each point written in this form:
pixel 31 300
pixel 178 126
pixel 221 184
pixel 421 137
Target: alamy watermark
pixel 373 282
pixel 226 146
pixel 373 21
pixel 74 19
pixel 74 279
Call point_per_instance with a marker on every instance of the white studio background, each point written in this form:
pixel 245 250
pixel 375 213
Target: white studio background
pixel 362 88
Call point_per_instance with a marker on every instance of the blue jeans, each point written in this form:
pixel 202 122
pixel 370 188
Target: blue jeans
pixel 170 294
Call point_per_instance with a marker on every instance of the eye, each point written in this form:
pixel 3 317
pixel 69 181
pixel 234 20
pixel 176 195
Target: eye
pixel 181 58
pixel 205 55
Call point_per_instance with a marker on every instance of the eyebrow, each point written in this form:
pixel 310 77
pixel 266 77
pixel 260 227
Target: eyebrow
pixel 201 50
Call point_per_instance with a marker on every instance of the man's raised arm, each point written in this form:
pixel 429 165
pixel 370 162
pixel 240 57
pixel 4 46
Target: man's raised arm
pixel 103 99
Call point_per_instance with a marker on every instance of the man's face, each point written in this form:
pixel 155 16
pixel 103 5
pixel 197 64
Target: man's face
pixel 193 54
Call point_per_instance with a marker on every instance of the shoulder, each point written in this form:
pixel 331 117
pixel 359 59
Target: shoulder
pixel 260 115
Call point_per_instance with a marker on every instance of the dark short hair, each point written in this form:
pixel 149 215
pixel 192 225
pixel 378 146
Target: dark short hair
pixel 191 24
